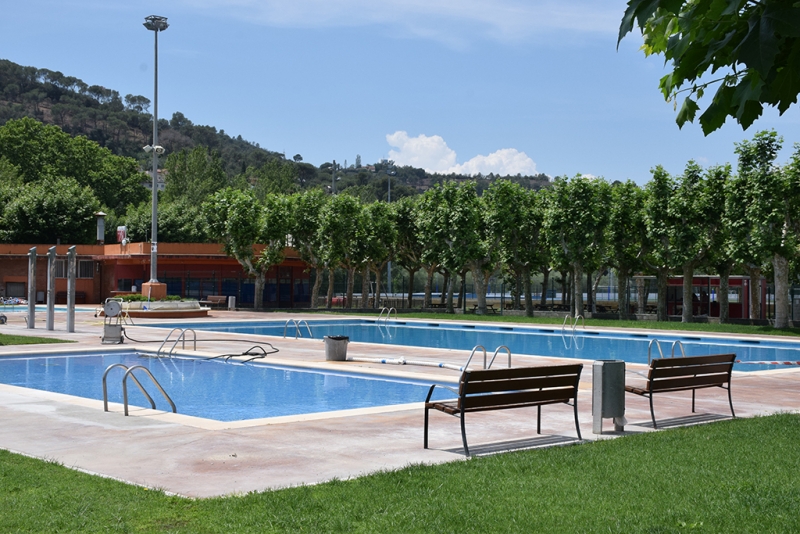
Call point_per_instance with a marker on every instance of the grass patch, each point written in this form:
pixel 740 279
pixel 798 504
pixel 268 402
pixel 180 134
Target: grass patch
pixel 730 476
pixel 6 339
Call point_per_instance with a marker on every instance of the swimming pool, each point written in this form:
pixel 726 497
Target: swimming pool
pixel 523 340
pixel 212 389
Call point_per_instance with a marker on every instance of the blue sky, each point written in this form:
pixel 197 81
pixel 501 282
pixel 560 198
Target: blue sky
pixel 470 86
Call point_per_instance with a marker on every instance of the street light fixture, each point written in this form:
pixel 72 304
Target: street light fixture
pixel 155 24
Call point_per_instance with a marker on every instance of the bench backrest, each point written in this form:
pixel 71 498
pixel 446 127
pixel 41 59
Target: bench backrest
pixel 690 371
pixel 518 386
pixel 217 298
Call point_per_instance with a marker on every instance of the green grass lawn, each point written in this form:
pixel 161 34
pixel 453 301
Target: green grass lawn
pixel 730 476
pixel 6 339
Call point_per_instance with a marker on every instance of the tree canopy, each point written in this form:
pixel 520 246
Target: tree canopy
pixel 754 43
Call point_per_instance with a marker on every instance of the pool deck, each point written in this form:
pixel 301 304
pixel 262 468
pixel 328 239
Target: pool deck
pixel 200 458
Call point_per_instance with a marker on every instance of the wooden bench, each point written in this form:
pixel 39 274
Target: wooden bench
pixel 217 301
pixel 500 389
pixel 489 309
pixel 686 373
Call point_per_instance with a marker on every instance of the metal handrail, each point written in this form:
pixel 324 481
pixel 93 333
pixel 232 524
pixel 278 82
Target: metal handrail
pixel 388 314
pixel 308 327
pixel 496 351
pixel 677 342
pixel 564 324
pixel 575 324
pixel 158 352
pixel 474 350
pixel 182 337
pixel 147 371
pixel 141 388
pixel 650 347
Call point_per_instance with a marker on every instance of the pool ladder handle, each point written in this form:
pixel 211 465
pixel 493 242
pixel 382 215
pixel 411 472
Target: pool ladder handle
pixel 129 372
pixel 574 325
pixel 388 314
pixel 297 325
pixel 181 337
pixel 483 349
pixel 655 342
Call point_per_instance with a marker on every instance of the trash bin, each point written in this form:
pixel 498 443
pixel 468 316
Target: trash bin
pixel 608 394
pixel 232 303
pixel 336 348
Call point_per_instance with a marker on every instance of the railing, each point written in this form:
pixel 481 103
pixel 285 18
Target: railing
pixel 297 324
pixel 496 352
pixel 129 372
pixel 388 314
pixel 676 343
pixel 181 337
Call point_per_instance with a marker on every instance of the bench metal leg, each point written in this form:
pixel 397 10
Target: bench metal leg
pixel 425 435
pixel 693 400
pixel 464 435
pixel 577 426
pixel 730 401
pixel 652 413
pixel 538 419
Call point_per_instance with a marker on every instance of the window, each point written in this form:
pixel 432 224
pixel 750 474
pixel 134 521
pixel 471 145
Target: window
pixel 61 268
pixel 85 269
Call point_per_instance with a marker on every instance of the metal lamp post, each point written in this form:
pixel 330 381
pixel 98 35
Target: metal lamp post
pixel 155 24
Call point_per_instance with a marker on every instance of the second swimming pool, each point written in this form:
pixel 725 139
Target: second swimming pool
pixel 534 341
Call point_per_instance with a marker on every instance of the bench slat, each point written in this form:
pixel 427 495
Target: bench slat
pixel 487 386
pixel 691 360
pixel 666 372
pixel 474 402
pixel 689 382
pixel 520 372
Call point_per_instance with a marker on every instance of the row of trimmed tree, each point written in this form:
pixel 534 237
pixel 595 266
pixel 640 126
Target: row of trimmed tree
pixel 713 218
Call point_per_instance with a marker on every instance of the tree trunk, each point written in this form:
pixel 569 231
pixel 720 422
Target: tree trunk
pixel 462 290
pixel 329 302
pixel 316 287
pixel 545 281
pixel 445 288
pixel 351 281
pixel 755 282
pixel 780 265
pixel 258 298
pixel 564 288
pixel 377 300
pixel 589 293
pixel 642 290
pixel 662 278
pixel 365 287
pixel 411 275
pixel 687 316
pixel 596 283
pixel 577 289
pixel 426 299
pixel 722 295
pixel 449 292
pixel 480 290
pixel 526 282
pixel 623 296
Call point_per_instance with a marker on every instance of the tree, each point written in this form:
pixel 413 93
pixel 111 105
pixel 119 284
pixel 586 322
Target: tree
pixel 576 218
pixel 275 176
pixel 659 224
pixel 626 237
pixel 380 240
pixel 179 221
pixel 341 225
pixel 754 42
pixel 194 175
pixel 409 248
pixel 47 211
pixel 306 210
pixel 773 217
pixel 234 219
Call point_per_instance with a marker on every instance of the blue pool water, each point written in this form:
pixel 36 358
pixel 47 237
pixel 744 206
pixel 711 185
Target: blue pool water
pixel 535 341
pixel 211 389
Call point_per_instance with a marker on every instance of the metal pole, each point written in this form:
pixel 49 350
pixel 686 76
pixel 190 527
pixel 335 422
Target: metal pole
pixel 32 288
pixel 154 223
pixel 51 287
pixel 71 268
pixel 389 265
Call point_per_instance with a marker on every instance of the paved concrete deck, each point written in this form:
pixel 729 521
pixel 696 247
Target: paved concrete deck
pixel 201 458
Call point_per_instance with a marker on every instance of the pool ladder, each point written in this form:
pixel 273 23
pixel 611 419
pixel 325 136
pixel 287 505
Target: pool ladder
pixel 676 343
pixel 490 362
pixel 181 337
pixel 297 325
pixel 129 372
pixel 388 314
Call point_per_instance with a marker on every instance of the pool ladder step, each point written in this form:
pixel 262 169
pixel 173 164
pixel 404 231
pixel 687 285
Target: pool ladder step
pixel 129 372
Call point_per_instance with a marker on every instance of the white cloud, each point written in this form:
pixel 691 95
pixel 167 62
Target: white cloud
pixel 450 21
pixel 433 155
